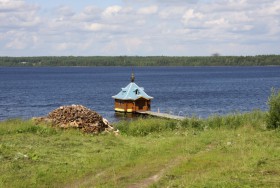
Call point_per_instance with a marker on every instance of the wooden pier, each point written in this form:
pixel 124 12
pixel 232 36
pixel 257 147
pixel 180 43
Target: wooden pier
pixel 161 115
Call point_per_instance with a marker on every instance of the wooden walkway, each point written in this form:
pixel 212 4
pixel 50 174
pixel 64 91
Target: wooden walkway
pixel 161 115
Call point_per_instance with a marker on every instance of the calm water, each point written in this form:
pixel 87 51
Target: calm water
pixel 200 91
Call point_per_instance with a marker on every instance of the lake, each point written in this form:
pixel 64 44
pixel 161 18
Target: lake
pixel 186 91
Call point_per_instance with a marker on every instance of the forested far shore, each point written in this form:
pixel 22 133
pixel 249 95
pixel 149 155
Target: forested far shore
pixel 260 60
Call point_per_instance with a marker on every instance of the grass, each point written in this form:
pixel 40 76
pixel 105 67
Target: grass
pixel 231 151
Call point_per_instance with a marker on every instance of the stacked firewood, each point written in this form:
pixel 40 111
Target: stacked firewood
pixel 78 116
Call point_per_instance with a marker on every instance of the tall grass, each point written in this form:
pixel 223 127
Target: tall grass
pixel 255 119
pixel 13 126
pixel 144 127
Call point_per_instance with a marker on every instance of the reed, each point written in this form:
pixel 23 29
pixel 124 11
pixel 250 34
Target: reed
pixel 143 127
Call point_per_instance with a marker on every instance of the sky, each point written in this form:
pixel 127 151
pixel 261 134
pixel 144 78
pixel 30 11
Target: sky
pixel 139 27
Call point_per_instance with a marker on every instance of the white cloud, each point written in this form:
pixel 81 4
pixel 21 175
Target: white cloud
pixel 9 5
pixel 20 40
pixel 19 23
pixel 148 10
pixel 90 13
pixel 141 27
pixel 171 12
pixel 191 15
pixel 65 11
pixel 111 11
pixel 132 43
pixel 63 46
pixel 15 14
pixel 95 27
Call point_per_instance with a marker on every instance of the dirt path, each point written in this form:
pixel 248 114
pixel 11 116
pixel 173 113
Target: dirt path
pixel 87 180
pixel 156 177
pixel 90 178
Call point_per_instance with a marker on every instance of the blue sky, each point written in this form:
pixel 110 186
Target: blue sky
pixel 139 27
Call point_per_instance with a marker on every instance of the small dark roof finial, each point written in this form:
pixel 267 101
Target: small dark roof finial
pixel 132 78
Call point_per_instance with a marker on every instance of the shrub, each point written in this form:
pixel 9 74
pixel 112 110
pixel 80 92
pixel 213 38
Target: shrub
pixel 143 127
pixel 273 116
pixel 193 122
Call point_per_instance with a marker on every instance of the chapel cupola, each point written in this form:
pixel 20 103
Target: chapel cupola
pixel 132 98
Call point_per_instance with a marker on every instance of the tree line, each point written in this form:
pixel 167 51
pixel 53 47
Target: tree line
pixel 260 60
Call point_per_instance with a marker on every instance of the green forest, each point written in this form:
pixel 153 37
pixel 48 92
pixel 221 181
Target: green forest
pixel 260 60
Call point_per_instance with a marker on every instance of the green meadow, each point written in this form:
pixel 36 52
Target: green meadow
pixel 230 151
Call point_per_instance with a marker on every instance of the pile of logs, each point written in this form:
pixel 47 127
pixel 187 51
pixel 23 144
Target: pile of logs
pixel 77 116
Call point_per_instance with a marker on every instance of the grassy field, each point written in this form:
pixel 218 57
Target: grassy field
pixel 230 151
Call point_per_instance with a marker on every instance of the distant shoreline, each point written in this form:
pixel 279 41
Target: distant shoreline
pixel 136 66
pixel 140 61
